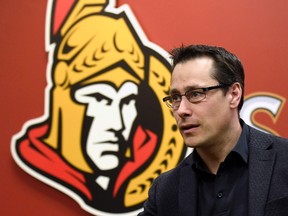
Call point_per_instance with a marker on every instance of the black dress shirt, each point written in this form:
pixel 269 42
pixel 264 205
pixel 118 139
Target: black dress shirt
pixel 225 193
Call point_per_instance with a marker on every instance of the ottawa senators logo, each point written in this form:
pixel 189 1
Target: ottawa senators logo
pixel 105 135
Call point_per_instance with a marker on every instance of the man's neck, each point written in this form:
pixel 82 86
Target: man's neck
pixel 216 153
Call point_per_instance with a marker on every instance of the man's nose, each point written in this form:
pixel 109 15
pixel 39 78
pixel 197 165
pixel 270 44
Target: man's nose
pixel 185 107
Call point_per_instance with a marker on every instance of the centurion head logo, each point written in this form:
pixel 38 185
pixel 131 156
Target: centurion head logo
pixel 105 135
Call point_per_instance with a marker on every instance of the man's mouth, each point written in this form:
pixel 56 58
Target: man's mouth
pixel 187 128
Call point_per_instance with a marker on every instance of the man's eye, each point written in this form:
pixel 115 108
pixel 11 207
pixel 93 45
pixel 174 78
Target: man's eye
pixel 175 97
pixel 194 94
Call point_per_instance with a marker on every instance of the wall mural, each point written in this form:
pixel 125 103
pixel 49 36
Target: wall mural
pixel 105 134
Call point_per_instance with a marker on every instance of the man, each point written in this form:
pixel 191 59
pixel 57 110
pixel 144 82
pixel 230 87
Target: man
pixel 234 169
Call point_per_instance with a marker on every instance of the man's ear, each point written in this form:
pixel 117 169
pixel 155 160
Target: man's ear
pixel 236 94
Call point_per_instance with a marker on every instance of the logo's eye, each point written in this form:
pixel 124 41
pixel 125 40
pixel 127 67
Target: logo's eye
pixel 129 99
pixel 100 98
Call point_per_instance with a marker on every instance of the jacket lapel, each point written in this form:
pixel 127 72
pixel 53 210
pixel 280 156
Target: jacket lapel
pixel 261 160
pixel 188 192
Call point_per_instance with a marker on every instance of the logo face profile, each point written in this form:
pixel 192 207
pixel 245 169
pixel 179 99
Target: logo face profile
pixel 105 135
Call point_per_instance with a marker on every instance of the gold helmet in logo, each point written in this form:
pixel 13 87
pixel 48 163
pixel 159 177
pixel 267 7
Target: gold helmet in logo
pixel 91 46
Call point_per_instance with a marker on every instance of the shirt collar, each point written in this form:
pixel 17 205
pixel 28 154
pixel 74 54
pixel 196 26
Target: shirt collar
pixel 242 145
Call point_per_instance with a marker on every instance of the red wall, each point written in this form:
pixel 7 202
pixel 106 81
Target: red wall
pixel 255 30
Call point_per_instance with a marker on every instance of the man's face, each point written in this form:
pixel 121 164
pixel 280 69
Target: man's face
pixel 113 112
pixel 204 123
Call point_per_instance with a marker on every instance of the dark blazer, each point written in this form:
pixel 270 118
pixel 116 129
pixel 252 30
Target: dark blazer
pixel 175 192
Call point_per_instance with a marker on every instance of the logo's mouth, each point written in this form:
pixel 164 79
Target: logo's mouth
pixel 106 142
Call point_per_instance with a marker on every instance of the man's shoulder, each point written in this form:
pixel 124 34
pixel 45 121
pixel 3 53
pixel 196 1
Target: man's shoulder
pixel 260 139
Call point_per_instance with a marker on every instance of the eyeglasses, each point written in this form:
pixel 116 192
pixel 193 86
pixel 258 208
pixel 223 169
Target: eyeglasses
pixel 193 96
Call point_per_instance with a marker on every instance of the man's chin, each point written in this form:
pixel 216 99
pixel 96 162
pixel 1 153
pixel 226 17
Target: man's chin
pixel 191 142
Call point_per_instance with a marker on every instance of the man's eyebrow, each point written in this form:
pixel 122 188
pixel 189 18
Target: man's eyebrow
pixel 173 91
pixel 193 87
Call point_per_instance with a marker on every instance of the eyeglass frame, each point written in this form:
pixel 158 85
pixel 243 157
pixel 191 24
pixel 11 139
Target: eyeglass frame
pixel 204 91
